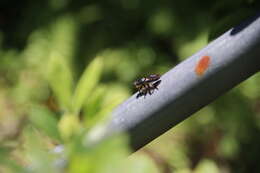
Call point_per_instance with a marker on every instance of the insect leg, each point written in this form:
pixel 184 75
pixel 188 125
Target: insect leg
pixel 156 84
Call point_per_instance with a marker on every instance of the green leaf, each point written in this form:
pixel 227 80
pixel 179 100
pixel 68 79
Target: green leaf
pixel 108 99
pixel 69 125
pixel 206 165
pixel 87 83
pixel 93 104
pixel 6 162
pixel 104 157
pixel 45 120
pixel 60 80
pixel 63 36
pixel 140 163
pixel 108 156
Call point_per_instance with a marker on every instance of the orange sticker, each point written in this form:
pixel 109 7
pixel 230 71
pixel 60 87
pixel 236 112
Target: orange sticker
pixel 202 65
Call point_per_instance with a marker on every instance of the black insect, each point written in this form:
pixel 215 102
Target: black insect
pixel 147 85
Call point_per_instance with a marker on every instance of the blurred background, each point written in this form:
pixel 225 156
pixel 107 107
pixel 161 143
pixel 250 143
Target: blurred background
pixel 64 65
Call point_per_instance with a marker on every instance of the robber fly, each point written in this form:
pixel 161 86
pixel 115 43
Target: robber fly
pixel 147 85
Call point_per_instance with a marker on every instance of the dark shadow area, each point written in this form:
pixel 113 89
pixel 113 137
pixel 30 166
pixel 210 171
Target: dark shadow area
pixel 244 24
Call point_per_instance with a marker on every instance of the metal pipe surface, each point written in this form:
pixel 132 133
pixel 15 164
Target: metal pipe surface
pixel 194 83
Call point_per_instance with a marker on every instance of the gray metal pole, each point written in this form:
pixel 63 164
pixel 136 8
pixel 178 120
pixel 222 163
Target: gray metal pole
pixel 189 86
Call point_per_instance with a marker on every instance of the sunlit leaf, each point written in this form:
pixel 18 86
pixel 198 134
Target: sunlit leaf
pixel 87 83
pixel 63 32
pixel 207 166
pixel 69 125
pixel 140 163
pixel 93 103
pixel 113 96
pixel 60 80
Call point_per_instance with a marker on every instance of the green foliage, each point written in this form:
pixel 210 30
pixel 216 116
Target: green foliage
pixel 37 153
pixel 105 157
pixel 69 125
pixel 207 166
pixel 102 101
pixel 66 64
pixel 60 80
pixel 45 120
pixel 86 84
pixel 8 165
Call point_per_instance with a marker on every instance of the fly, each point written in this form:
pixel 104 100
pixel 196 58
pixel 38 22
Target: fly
pixel 147 85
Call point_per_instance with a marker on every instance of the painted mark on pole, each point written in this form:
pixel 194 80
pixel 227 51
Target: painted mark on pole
pixel 202 65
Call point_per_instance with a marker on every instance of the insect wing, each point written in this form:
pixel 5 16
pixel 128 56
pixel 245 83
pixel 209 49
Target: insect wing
pixel 152 78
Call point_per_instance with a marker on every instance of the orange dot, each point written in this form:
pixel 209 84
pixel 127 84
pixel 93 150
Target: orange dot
pixel 202 65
